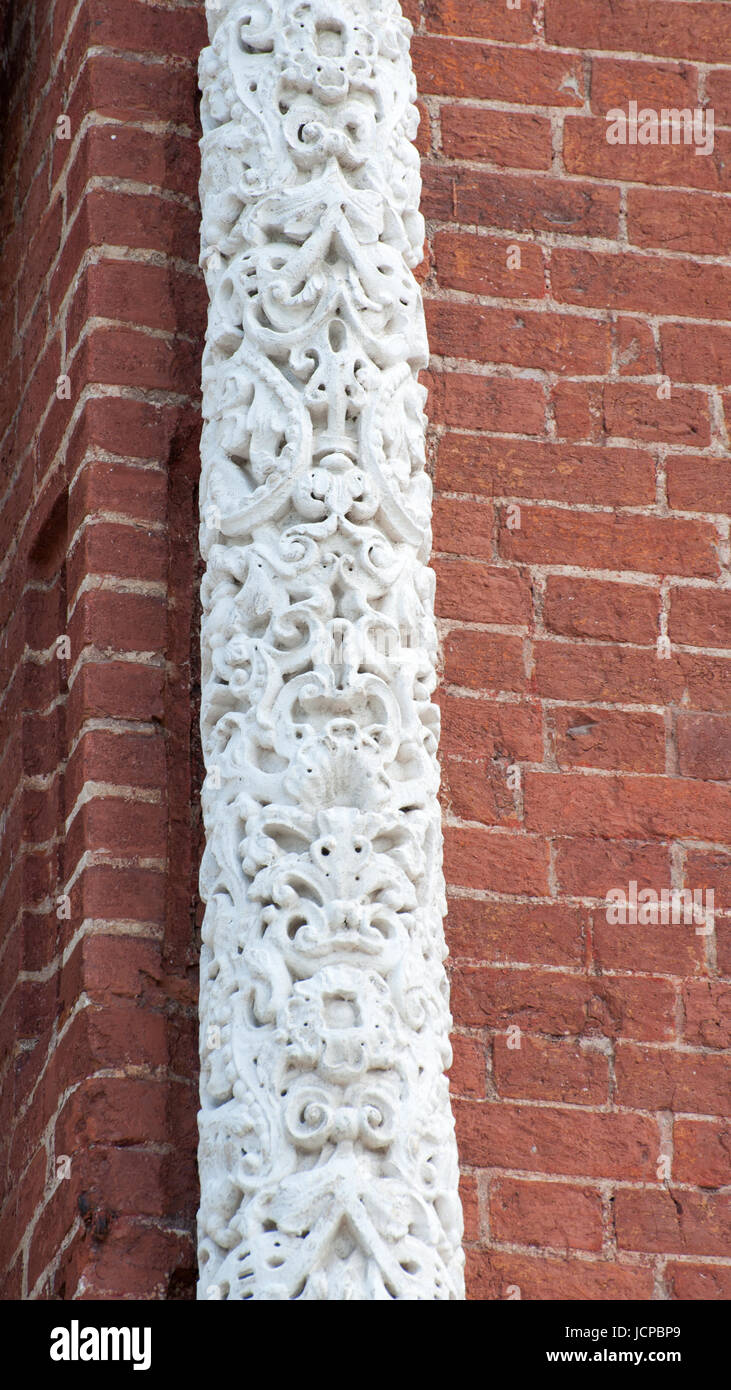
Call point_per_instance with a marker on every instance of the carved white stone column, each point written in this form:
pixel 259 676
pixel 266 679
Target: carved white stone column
pixel 327 1155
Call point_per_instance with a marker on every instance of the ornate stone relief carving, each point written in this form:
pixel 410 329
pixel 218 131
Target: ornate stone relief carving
pixel 327 1155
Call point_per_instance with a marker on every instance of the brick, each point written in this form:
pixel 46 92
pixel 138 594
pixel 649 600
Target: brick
pixel 52 1226
pixel 42 621
pixel 512 139
pixel 497 860
pixel 114 968
pixel 544 1069
pixel 577 410
pixel 662 949
pixel 701 1152
pixel 634 344
pixel 698 483
pixel 553 1214
pixel 134 1261
pixel 718 94
pixel 40 255
pixel 118 827
pixel 117 151
pixel 140 28
pixel 470 1200
pixel 490 729
pixel 495 467
pixel 120 892
pixel 475 19
pixel 637 412
pixel 707 1005
pixel 121 220
pixel 127 291
pixel 689 1282
pixel 547 342
pixel 502 932
pixel 496 1274
pixel 38 395
pixel 677 1223
pixel 118 759
pixel 557 1140
pixel 487 403
pixel 650 1078
pixel 24 1200
pixel 568 1004
pixel 700 617
pixel 612 541
pixel 659 26
pixel 723 946
pixel 480 593
pixel 42 812
pixel 126 552
pixel 139 493
pixel 137 430
pixel 695 223
pixel 131 357
pixel 424 137
pixel 548 1002
pixel 478 790
pixel 484 661
pixel 43 739
pixel 691 353
pixel 704 746
pixel 518 203
pixel 118 622
pixel 448 68
pixel 710 869
pixel 463 530
pixel 617 81
pixel 34 336
pixel 8 405
pixel 116 689
pixel 587 867
pixel 609 739
pixel 137 1182
pixel 467 1074
pixel 12 1284
pixel 485 265
pixel 622 807
pixel 588 671
pixel 642 283
pixel 586 151
pixel 127 89
pixel 578 607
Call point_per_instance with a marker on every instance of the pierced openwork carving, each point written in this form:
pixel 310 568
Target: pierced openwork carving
pixel 327 1155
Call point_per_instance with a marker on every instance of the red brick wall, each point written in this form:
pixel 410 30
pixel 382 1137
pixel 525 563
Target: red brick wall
pixel 544 397
pixel 98 527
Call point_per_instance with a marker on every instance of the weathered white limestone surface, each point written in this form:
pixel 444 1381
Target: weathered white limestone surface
pixel 327 1154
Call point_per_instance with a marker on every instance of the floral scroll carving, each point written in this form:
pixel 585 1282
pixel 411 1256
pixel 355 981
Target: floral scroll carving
pixel 327 1154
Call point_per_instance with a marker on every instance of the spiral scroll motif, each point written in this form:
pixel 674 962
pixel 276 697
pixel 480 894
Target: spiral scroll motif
pixel 327 1155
